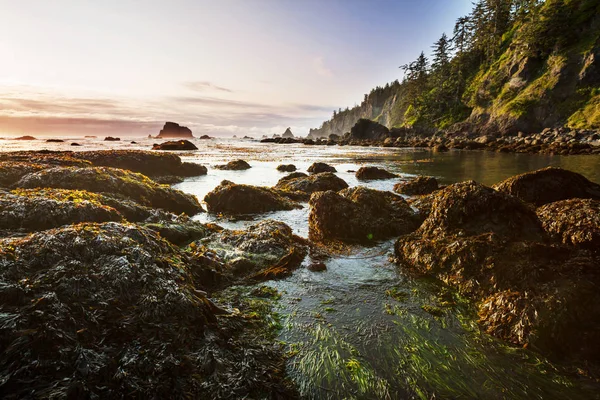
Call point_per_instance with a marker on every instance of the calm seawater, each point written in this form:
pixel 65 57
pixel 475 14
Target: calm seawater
pixel 359 330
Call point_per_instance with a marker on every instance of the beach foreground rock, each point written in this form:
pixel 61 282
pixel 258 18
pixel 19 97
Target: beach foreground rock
pixel 231 198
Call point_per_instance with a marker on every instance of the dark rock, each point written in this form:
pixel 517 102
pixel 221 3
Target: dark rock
pixel 358 215
pixel 175 145
pixel 111 139
pixel 319 167
pixel 174 130
pixel 317 267
pixel 373 173
pixel 548 185
pixel 365 129
pixel 25 138
pixel 11 172
pixel 299 182
pixel 54 141
pixel 573 222
pixel 286 168
pixel 287 134
pixel 75 144
pixel 231 198
pixel 417 186
pixel 205 137
pixel 114 181
pixel 134 142
pixel 440 148
pixel 237 165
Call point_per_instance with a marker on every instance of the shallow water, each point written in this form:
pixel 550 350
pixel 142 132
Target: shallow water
pixel 363 329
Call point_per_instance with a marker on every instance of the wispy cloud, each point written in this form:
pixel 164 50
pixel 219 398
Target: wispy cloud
pixel 320 68
pixel 205 86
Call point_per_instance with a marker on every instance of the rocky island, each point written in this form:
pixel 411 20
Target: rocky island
pixel 174 130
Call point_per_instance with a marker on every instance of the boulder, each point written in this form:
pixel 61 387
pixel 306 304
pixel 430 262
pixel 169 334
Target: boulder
pixel 175 145
pixel 573 222
pixel 237 165
pixel 174 130
pixel 75 144
pixel 25 138
pixel 358 215
pixel 205 137
pixel 420 185
pixel 373 173
pixel 301 183
pixel 365 129
pixel 111 139
pixel 118 301
pixel 54 141
pixel 319 167
pixel 286 168
pixel 231 198
pixel 548 185
pixel 114 181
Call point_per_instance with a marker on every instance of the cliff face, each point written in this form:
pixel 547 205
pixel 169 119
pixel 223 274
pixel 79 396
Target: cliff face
pixel 544 74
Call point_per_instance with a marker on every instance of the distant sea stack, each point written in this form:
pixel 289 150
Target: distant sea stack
pixel 287 134
pixel 172 129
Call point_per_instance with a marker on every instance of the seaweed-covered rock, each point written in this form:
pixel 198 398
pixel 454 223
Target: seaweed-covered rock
pixel 148 163
pixel 319 167
pixel 45 158
pixel 265 250
pixel 420 185
pixel 306 185
pixel 548 185
pixel 175 145
pixel 574 222
pixel 231 198
pixel 373 173
pixel 30 213
pixel 358 215
pixel 114 181
pixel 236 165
pixel 100 311
pixel 286 168
pixel 422 205
pixel 11 172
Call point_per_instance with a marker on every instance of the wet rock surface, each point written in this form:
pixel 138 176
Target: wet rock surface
pixel 231 198
pixel 115 181
pixel 300 186
pixel 373 173
pixel 358 215
pixel 286 168
pixel 573 222
pixel 12 172
pixel 175 145
pixel 319 167
pixel 548 185
pixel 237 165
pixel 420 185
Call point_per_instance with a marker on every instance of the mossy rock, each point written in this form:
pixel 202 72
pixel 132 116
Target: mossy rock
pixel 421 185
pixel 373 173
pixel 11 171
pixel 114 181
pixel 300 186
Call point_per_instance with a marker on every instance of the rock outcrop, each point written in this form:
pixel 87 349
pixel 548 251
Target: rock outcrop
pixel 373 173
pixel 358 215
pixel 174 130
pixel 286 168
pixel 237 165
pixel 548 185
pixel 420 185
pixel 175 145
pixel 300 186
pixel 230 198
pixel 287 134
pixel 365 129
pixel 319 167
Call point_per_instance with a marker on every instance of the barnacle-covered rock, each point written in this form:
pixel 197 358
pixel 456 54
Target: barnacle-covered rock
pixel 11 172
pixel 319 167
pixel 114 181
pixel 231 198
pixel 548 185
pixel 420 185
pixel 358 214
pixel 373 173
pixel 573 222
pixel 303 186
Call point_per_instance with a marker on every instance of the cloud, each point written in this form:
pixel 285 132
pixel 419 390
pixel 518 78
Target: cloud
pixel 204 86
pixel 320 67
pixel 214 101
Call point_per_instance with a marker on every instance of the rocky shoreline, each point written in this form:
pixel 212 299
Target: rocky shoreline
pixel 110 289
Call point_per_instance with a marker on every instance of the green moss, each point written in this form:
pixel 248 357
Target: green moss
pixel 587 117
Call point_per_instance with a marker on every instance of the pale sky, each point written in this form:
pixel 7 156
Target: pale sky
pixel 221 67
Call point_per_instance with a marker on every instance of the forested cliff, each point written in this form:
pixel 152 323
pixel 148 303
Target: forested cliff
pixel 510 66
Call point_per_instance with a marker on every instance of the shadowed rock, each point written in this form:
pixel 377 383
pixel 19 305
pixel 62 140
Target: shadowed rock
pixel 237 165
pixel 319 167
pixel 286 168
pixel 174 130
pixel 420 185
pixel 358 215
pixel 373 173
pixel 231 198
pixel 574 222
pixel 548 185
pixel 175 145
pixel 114 181
pixel 302 185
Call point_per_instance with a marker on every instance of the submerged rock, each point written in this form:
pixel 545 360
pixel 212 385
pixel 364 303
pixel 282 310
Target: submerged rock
pixel 231 198
pixel 175 145
pixel 237 165
pixel 302 186
pixel 372 173
pixel 548 185
pixel 286 168
pixel 358 215
pixel 420 185
pixel 114 181
pixel 319 167
pixel 574 222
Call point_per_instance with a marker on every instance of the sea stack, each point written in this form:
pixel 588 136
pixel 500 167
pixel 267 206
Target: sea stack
pixel 172 129
pixel 287 134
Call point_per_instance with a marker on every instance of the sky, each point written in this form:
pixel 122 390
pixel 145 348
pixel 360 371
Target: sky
pixel 220 67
